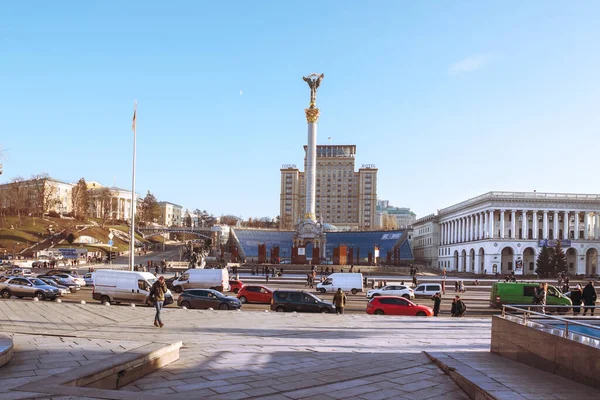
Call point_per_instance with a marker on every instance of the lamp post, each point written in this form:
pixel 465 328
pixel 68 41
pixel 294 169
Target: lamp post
pixel 15 250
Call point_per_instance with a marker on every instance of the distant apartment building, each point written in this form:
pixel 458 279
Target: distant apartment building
pixel 401 217
pixel 426 236
pixel 170 214
pixel 344 197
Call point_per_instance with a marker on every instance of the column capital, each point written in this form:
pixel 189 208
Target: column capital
pixel 312 115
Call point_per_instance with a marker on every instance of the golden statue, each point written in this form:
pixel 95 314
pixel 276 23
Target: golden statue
pixel 313 80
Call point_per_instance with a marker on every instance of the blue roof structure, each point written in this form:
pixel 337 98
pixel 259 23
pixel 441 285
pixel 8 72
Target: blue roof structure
pixel 249 239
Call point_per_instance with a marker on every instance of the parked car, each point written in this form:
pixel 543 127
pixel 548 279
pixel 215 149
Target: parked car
pixel 89 280
pixel 427 289
pixel 39 264
pixel 255 294
pixel 522 293
pixel 73 287
pixel 207 298
pixel 27 287
pixel 68 278
pixel 21 272
pixel 235 285
pixel 300 301
pixel 125 286
pixel 64 290
pixel 395 305
pixel 392 290
pixel 348 282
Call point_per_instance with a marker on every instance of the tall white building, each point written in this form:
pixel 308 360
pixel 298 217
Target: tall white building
pixel 505 231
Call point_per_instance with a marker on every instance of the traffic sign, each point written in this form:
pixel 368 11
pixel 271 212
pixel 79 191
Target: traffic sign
pixel 110 242
pixel 110 235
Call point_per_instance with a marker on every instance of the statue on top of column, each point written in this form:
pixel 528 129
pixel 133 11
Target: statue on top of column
pixel 313 81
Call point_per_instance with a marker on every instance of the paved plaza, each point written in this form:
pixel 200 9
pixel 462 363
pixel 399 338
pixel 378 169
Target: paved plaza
pixel 236 355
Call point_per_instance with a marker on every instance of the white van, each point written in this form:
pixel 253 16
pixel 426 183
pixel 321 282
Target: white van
pixel 217 279
pixel 125 286
pixel 428 289
pixel 348 281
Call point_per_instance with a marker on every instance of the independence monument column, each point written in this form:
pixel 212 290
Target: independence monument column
pixel 312 117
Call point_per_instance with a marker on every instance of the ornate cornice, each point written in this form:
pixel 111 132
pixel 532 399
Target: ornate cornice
pixel 312 114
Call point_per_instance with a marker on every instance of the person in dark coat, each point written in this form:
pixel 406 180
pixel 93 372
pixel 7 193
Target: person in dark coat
pixel 158 290
pixel 589 297
pixel 339 300
pixel 576 296
pixel 458 307
pixel 437 301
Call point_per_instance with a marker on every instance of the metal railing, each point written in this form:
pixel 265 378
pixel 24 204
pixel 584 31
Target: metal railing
pixel 524 313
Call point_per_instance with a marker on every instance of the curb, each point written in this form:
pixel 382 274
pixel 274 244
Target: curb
pixel 6 350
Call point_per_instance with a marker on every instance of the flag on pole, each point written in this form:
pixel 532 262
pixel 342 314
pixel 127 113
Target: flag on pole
pixel 134 112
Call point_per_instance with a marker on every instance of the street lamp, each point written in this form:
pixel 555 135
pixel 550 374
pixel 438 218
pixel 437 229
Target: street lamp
pixel 15 251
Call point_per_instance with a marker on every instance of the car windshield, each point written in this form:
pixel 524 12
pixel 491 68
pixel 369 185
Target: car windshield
pixel 314 297
pixel 38 282
pixel 218 294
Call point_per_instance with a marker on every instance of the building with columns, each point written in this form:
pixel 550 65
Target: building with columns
pixel 505 231
pixel 425 240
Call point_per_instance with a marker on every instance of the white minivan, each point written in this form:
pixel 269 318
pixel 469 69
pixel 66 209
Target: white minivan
pixel 427 289
pixel 125 286
pixel 348 281
pixel 217 279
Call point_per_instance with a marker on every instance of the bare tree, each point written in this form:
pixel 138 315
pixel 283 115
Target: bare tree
pixel 80 198
pixel 43 194
pixel 16 196
pixel 102 204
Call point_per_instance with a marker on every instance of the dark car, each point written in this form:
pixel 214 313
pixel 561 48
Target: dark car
pixel 73 287
pixel 300 301
pixel 207 298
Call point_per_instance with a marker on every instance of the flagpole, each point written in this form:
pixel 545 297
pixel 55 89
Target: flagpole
pixel 133 208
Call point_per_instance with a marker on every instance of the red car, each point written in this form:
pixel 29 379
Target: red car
pixel 255 294
pixel 235 286
pixel 394 305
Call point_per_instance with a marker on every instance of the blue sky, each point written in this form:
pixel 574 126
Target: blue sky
pixel 448 99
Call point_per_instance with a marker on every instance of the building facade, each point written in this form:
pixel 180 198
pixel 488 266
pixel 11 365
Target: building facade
pixel 170 214
pixel 401 217
pixel 344 197
pixel 425 240
pixel 118 205
pixel 37 194
pixel 503 232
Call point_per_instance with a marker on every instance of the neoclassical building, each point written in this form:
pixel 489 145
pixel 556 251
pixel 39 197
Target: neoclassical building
pixel 505 231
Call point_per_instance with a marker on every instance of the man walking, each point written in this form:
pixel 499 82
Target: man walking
pixel 589 298
pixel 157 293
pixel 339 300
pixel 458 307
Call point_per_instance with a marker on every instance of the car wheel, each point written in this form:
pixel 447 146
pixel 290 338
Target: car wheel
pixel 40 296
pixel 354 291
pixel 177 289
pixel 407 297
pixel 186 304
pixel 325 310
pixel 280 309
pixel 5 294
pixel 322 290
pixel 243 299
pixel 379 312
pixel 223 306
pixel 421 314
pixel 104 299
pixel 236 290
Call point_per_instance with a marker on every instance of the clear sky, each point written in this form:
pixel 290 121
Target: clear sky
pixel 449 99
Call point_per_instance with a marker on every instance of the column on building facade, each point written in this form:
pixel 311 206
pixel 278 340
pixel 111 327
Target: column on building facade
pixel 486 230
pixel 545 225
pixel 555 225
pixel 534 226
pixel 513 224
pixel 470 235
pixel 524 225
pixel 451 232
pixel 586 225
pixel 597 226
pixel 502 223
pixel 478 237
pixel 565 225
pixel 461 230
pixel 491 224
pixel 442 233
pixel 576 229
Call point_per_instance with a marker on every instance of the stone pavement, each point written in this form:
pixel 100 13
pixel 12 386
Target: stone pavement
pixel 243 354
pixel 506 379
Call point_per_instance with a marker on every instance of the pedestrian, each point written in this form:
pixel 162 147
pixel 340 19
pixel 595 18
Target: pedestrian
pixel 339 301
pixel 456 286
pixel 437 301
pixel 311 282
pixel 415 282
pixel 458 307
pixel 541 297
pixel 157 294
pixel 589 298
pixel 576 296
pixel 267 277
pixel 461 287
pixel 566 288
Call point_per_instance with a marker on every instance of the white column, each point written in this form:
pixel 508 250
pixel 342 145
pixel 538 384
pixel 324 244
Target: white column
pixel 524 227
pixel 470 228
pixel 534 225
pixel 502 223
pixel 452 236
pixel 460 229
pixel 486 230
pixel 545 226
pixel 311 167
pixel 442 233
pixel 491 224
pixel 576 230
pixel 565 225
pixel 596 225
pixel 586 225
pixel 513 224
pixel 555 225
pixel 478 226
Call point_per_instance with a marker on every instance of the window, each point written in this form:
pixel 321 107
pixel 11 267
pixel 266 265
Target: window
pixel 143 285
pixel 528 290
